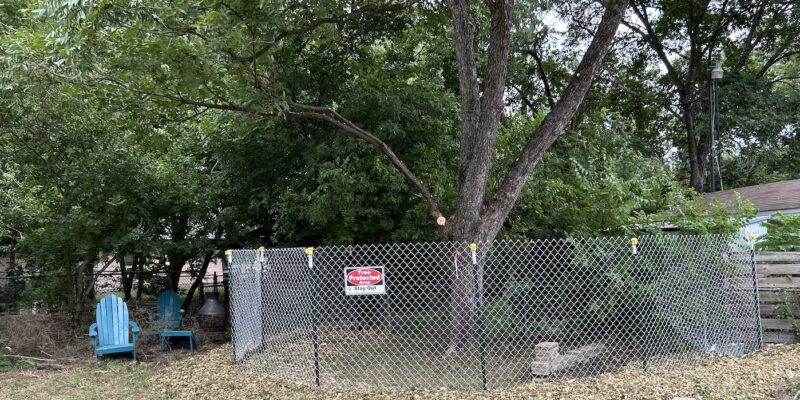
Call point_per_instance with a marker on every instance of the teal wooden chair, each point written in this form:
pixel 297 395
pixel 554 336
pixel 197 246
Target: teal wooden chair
pixel 169 316
pixel 111 333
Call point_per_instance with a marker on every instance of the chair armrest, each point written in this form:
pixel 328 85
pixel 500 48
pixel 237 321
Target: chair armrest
pixel 93 334
pixel 135 328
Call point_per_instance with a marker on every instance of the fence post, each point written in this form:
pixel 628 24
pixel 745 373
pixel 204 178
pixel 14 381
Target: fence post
pixel 637 272
pixel 227 264
pixel 226 276
pixel 314 339
pixel 473 247
pixel 752 239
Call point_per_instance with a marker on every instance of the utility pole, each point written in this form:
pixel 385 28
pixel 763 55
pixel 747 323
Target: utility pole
pixel 714 75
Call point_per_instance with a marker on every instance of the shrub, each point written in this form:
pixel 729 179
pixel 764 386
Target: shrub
pixel 783 233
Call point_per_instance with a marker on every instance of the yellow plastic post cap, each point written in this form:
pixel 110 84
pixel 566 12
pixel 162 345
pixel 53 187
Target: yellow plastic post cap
pixel 309 250
pixel 752 237
pixel 228 253
pixel 261 248
pixel 473 247
pixel 634 241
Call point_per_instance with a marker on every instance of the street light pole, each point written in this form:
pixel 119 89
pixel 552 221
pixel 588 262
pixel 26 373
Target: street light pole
pixel 714 75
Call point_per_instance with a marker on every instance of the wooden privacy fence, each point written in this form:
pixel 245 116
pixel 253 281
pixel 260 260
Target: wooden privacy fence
pixel 779 290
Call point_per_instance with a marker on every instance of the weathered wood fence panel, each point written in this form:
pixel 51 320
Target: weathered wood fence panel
pixel 779 289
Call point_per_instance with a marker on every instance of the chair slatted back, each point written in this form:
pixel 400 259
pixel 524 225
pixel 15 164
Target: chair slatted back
pixel 112 321
pixel 168 309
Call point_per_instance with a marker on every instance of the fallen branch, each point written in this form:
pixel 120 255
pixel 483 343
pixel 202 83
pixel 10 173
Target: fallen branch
pixel 27 357
pixel 49 367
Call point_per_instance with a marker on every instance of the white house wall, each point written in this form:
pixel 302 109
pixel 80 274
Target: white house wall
pixel 756 224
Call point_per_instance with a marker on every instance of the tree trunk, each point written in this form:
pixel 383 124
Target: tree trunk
pixel 474 220
pixel 176 263
pixel 127 276
pixel 12 255
pixel 140 277
pixel 69 281
pixel 697 149
pixel 197 282
pixel 85 291
pixel 463 321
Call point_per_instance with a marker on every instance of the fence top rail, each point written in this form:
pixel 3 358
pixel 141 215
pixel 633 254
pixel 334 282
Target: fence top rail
pixel 183 274
pixel 621 240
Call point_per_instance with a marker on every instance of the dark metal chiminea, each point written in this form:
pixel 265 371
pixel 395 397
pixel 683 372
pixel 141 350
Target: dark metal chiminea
pixel 212 313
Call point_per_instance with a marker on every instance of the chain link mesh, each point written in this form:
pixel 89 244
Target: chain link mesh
pixel 544 309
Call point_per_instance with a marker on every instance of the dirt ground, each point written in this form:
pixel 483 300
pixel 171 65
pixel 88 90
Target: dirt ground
pixel 773 373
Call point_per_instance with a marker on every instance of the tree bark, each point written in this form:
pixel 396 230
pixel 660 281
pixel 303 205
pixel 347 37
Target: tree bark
pixel 480 116
pixel 176 263
pixel 197 281
pixel 140 259
pixel 697 149
pixel 127 276
pixel 507 193
pixel 474 221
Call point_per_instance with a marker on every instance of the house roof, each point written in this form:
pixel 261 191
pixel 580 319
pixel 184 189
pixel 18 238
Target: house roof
pixel 775 196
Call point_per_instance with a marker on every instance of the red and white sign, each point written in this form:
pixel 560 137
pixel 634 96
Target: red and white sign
pixel 364 280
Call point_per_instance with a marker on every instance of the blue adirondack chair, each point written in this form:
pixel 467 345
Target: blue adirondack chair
pixel 111 333
pixel 169 313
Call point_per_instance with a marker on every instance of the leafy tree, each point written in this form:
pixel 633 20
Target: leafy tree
pixel 686 38
pixel 783 233
pixel 174 130
pixel 232 57
pixel 759 121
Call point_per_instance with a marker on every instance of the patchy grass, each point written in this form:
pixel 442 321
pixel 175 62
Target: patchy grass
pixel 110 380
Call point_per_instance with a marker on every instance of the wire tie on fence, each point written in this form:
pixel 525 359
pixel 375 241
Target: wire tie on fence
pixel 310 252
pixel 455 262
pixel 229 256
pixel 473 247
pixel 751 238
pixel 634 242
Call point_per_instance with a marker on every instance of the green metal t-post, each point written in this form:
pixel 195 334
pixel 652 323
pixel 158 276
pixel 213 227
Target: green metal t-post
pixel 314 338
pixel 473 247
pixel 751 238
pixel 640 301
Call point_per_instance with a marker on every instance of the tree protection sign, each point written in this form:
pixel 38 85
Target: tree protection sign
pixel 364 280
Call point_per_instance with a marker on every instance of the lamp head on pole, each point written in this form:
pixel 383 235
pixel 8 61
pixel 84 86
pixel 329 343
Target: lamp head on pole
pixel 716 72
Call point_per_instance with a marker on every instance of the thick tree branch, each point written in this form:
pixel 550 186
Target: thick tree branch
pixel 750 41
pixel 318 113
pixel 497 65
pixel 655 43
pixel 775 58
pixel 554 123
pixel 480 115
pixel 784 78
pixel 540 68
pixel 468 86
pixel 528 103
pixel 316 23
pixel 332 117
pixel 722 23
pixel 472 150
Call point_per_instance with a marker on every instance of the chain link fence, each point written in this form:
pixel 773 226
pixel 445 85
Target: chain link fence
pixel 24 290
pixel 430 315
